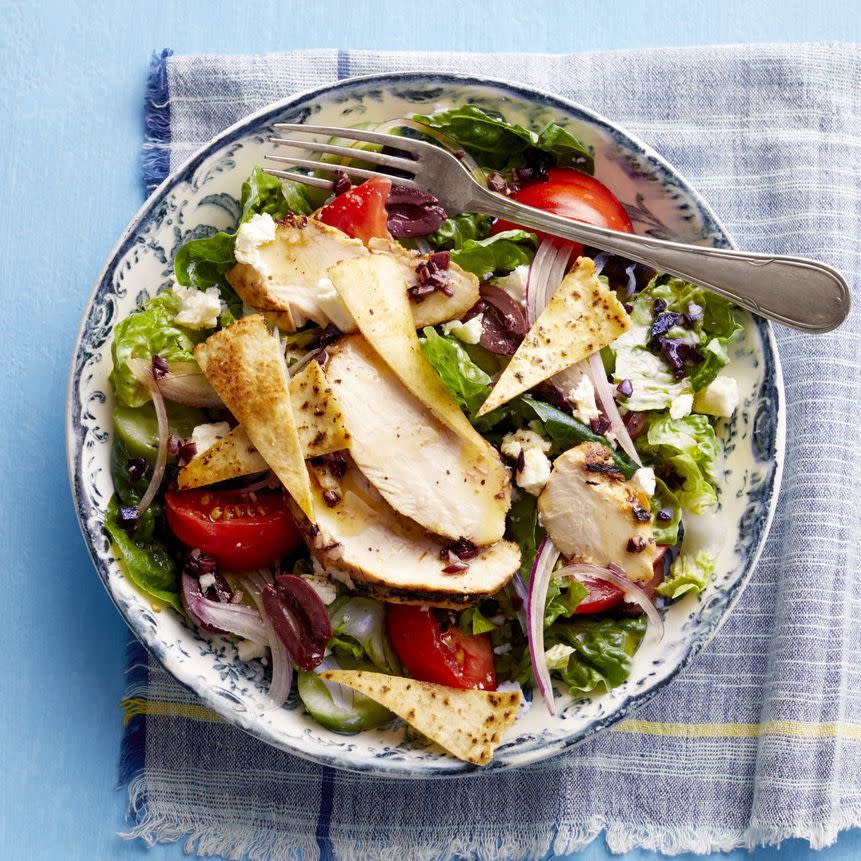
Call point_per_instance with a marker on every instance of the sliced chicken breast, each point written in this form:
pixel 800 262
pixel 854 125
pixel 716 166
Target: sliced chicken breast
pixel 281 271
pixel 593 515
pixel 359 540
pixel 422 468
pixel 436 307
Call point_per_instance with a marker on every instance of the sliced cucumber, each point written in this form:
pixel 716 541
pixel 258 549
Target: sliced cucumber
pixel 363 714
pixel 137 427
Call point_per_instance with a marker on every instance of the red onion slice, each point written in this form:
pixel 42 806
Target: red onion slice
pixel 342 696
pixel 545 275
pixel 282 666
pixel 163 433
pixel 539 581
pixel 608 405
pixel 184 383
pixel 230 618
pixel 617 577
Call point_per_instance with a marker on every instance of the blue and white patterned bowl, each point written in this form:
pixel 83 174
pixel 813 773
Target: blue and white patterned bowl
pixel 201 196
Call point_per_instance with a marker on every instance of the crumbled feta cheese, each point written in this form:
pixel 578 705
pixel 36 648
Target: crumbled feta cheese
pixel 326 590
pixel 199 309
pixel 644 478
pixel 258 230
pixel 719 398
pixel 332 305
pixel 206 436
pixel 207 581
pixel 248 650
pixel 582 398
pixel 523 440
pixel 515 283
pixel 681 406
pixel 469 332
pixel 502 649
pixel 557 656
pixel 535 472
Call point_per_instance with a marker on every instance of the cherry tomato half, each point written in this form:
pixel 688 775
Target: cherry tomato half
pixel 574 195
pixel 241 532
pixel 430 654
pixel 361 211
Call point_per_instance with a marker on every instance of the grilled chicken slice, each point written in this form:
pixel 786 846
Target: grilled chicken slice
pixel 359 540
pixel 422 468
pixel 593 515
pixel 436 307
pixel 281 269
pixel 282 266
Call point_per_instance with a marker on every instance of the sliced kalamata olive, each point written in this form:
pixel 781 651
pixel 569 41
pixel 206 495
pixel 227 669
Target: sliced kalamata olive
pixel 299 618
pixel 635 422
pixel 413 212
pixel 503 322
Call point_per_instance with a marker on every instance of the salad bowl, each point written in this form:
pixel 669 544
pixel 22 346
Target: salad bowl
pixel 199 197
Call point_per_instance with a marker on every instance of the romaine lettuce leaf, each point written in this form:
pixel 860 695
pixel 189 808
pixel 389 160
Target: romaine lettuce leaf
pixel 496 255
pixel 563 598
pixel 665 531
pixel 457 229
pixel 466 382
pixel 148 565
pixel 602 650
pixel 524 530
pixel 145 333
pixel 689 448
pixel 689 573
pixel 497 144
pixel 473 621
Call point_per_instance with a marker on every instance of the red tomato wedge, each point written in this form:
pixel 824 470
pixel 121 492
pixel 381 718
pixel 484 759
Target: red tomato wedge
pixel 430 654
pixel 604 596
pixel 575 195
pixel 361 211
pixel 241 532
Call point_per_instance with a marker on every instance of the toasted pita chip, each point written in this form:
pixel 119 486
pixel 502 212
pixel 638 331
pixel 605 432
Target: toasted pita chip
pixel 232 456
pixel 583 317
pixel 244 365
pixel 319 420
pixel 467 723
pixel 319 424
pixel 373 288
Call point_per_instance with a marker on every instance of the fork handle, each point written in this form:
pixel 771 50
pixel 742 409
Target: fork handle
pixel 801 293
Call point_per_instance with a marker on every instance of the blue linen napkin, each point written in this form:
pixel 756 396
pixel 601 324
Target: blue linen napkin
pixel 760 739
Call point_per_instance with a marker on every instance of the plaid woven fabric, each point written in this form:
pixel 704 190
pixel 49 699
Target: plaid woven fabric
pixel 760 739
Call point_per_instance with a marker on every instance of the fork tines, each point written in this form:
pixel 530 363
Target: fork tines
pixel 397 163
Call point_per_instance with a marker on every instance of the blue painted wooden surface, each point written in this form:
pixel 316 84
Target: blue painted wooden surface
pixel 71 89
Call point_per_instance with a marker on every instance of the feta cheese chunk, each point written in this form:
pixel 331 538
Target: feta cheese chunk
pixel 719 398
pixel 207 581
pixel 644 479
pixel 326 590
pixel 582 398
pixel 535 472
pixel 515 283
pixel 199 309
pixel 258 230
pixel 469 332
pixel 681 406
pixel 206 436
pixel 248 650
pixel 523 440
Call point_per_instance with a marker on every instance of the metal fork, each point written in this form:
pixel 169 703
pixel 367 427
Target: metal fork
pixel 805 294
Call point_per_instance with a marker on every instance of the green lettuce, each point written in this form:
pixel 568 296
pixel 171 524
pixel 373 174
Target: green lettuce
pixel 496 255
pixel 688 573
pixel 689 448
pixel 145 333
pixel 359 632
pixel 497 144
pixel 146 563
pixel 473 621
pixel 524 530
pixel 665 532
pixel 601 653
pixel 458 229
pixel 563 598
pixel 466 382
